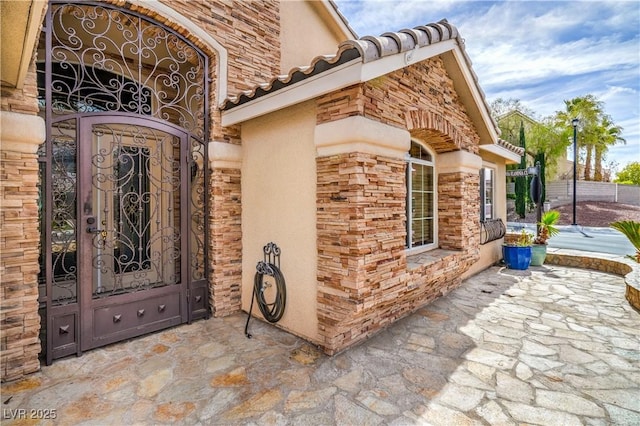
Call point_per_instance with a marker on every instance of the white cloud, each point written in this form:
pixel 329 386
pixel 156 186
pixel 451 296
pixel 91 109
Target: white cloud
pixel 540 52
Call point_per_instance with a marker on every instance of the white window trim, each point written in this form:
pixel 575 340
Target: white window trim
pixel 411 160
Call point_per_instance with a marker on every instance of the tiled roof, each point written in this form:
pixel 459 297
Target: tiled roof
pixel 372 48
pixel 506 145
pixel 318 65
pixel 367 48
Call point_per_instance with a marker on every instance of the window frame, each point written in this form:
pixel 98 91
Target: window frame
pixel 483 194
pixel 410 162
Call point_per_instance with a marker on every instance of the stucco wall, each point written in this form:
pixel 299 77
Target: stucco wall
pixel 279 205
pixel 491 252
pixel 303 35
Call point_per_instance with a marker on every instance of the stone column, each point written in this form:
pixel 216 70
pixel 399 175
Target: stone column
pixel 361 232
pixel 459 200
pixel 225 214
pixel 20 136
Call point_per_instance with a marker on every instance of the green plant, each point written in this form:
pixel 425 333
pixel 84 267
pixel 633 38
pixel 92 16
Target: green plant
pixel 631 230
pixel 630 174
pixel 525 239
pixel 547 226
pixel 521 187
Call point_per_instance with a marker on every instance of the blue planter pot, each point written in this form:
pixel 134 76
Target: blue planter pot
pixel 516 257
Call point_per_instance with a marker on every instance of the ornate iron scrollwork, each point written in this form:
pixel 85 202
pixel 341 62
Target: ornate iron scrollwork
pixel 105 59
pixel 264 268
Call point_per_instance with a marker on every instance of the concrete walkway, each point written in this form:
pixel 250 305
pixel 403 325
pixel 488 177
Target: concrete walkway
pixel 601 240
pixel 549 346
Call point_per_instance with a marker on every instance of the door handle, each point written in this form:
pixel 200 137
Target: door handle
pixel 92 229
pixel 96 231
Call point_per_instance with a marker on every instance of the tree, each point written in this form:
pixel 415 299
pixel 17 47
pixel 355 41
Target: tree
pixel 521 181
pixel 596 131
pixel 500 107
pixel 629 174
pixel 542 136
pixel 545 140
pixel 609 135
pixel 587 109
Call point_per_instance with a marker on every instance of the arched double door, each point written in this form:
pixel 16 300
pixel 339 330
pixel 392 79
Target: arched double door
pixel 122 178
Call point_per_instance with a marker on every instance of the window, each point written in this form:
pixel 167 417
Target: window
pixel 487 211
pixel 421 205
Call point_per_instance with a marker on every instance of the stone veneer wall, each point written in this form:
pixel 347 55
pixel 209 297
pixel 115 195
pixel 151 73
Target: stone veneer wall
pixel 19 232
pixel 426 88
pixel 458 211
pixel 363 281
pixel 249 31
pixel 421 98
pixel 225 241
pixel 438 272
pixel 361 256
pixel 19 240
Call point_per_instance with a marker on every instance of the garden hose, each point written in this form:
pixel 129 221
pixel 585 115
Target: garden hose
pixel 274 311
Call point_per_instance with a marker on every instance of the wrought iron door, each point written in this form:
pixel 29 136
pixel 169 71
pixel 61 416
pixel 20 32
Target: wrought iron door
pixel 122 176
pixel 133 275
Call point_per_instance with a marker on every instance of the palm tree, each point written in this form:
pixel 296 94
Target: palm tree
pixel 547 226
pixel 589 111
pixel 609 135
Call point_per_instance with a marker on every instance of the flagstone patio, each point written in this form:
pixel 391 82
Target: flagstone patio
pixel 550 345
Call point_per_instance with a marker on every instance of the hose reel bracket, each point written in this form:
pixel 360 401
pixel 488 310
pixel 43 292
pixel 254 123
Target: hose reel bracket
pixel 269 266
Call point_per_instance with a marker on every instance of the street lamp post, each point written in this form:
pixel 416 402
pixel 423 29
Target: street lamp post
pixel 575 122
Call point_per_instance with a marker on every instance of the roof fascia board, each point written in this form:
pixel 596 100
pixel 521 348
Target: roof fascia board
pixel 36 15
pixel 481 114
pixel 355 72
pixel 337 78
pixel 502 152
pixel 398 61
pixel 337 17
pixel 352 72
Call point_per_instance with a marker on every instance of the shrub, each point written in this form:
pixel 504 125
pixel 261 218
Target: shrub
pixel 547 226
pixel 631 230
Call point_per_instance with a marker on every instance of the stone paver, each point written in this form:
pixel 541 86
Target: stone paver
pixel 550 345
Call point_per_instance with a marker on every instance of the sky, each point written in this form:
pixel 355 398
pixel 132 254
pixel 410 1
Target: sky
pixel 540 52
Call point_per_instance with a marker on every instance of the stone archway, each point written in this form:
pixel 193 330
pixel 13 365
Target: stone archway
pixel 458 180
pixel 435 128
